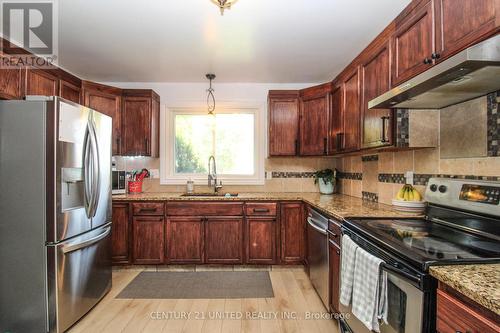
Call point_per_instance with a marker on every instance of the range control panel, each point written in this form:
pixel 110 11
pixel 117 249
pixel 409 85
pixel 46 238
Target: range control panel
pixel 470 195
pixel 478 193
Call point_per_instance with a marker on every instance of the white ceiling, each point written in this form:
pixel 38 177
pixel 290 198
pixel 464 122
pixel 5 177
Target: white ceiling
pixel 271 41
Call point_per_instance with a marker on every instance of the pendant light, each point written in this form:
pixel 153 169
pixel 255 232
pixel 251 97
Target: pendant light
pixel 210 95
pixel 224 4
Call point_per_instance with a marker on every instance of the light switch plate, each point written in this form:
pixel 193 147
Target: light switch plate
pixel 269 175
pixel 154 173
pixel 409 177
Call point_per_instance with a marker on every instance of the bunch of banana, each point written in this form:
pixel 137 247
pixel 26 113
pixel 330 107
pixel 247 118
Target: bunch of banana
pixel 408 193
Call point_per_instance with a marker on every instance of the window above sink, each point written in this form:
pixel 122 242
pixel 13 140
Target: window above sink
pixel 235 136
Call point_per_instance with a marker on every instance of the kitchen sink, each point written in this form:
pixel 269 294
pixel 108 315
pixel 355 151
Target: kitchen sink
pixel 209 194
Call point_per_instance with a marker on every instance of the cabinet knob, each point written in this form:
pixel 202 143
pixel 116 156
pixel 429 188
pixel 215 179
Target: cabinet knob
pixel 427 61
pixel 435 56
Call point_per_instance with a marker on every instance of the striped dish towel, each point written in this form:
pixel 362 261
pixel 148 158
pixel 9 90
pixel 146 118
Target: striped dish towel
pixel 347 269
pixel 369 297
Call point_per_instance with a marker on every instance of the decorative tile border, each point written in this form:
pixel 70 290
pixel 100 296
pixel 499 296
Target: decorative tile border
pixel 402 128
pixel 493 126
pixel 283 174
pixel 397 178
pixel 369 196
pixel 350 175
pixel 369 158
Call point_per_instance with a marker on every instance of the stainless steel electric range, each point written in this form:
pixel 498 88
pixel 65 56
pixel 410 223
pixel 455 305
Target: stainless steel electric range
pixel 461 225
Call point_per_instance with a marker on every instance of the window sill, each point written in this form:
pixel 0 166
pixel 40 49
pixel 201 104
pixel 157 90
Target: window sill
pixel 204 181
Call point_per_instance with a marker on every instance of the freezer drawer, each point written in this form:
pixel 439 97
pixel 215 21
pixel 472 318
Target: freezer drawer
pixel 79 275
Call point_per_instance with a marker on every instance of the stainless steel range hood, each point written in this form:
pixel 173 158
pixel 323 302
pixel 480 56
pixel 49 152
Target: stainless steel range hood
pixel 469 74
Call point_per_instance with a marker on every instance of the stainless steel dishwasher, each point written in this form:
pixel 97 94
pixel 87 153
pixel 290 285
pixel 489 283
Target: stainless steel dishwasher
pixel 317 254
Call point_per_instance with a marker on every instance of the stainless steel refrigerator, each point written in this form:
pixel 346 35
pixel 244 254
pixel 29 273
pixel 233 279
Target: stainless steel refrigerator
pixel 55 213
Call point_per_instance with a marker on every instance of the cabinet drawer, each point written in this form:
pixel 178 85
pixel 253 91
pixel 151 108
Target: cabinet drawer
pixel 260 209
pixel 205 208
pixel 148 208
pixel 335 232
pixel 455 316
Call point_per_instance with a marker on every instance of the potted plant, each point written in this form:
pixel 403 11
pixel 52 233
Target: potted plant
pixel 326 179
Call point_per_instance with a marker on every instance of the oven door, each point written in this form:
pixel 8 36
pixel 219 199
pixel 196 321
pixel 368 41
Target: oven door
pixel 405 308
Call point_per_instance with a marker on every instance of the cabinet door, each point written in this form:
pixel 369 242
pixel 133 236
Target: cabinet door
pixel 40 82
pixel 120 234
pixel 351 112
pixel 10 83
pixel 108 103
pixel 136 126
pixel 283 126
pixel 184 240
pixel 375 75
pixel 334 259
pixel 292 233
pixel 148 240
pixel 314 126
pixel 261 240
pixel 413 44
pixel 336 121
pixel 69 91
pixel 460 23
pixel 224 240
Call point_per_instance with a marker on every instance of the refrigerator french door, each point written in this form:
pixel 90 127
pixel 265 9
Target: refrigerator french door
pixel 55 212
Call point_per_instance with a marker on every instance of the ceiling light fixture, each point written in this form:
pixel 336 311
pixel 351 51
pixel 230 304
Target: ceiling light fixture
pixel 210 96
pixel 224 4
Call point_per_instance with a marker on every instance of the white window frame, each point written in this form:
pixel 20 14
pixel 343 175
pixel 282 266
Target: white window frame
pixel 167 140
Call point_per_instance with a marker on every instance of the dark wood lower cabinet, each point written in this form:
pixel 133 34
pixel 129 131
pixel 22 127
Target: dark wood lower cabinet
pixel 184 240
pixel 148 238
pixel 120 234
pixel 224 240
pixel 261 240
pixel 292 233
pixel 334 252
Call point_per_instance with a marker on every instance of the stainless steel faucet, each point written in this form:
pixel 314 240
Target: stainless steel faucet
pixel 212 175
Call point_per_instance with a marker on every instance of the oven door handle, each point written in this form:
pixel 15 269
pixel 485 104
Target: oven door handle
pixel 401 273
pixel 315 227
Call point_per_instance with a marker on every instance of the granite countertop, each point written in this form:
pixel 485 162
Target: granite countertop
pixel 336 205
pixel 481 282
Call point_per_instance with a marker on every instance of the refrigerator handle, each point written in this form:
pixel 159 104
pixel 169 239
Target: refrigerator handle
pixel 96 179
pixel 87 195
pixel 86 243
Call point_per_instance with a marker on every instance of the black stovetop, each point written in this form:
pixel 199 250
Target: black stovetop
pixel 423 242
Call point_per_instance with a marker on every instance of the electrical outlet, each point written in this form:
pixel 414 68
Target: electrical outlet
pixel 154 173
pixel 409 177
pixel 269 175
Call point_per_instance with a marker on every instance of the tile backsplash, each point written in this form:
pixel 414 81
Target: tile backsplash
pixel 289 174
pixel 379 176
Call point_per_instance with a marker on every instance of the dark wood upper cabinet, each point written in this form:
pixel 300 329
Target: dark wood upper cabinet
pixel 292 233
pixel 460 23
pixel 413 43
pixel 314 112
pixel 184 240
pixel 351 111
pixel 11 82
pixel 140 123
pixel 107 100
pixel 120 234
pixel 70 90
pixel 148 239
pixel 376 124
pixel 41 82
pixel 224 240
pixel 283 116
pixel 261 240
pixel 336 121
